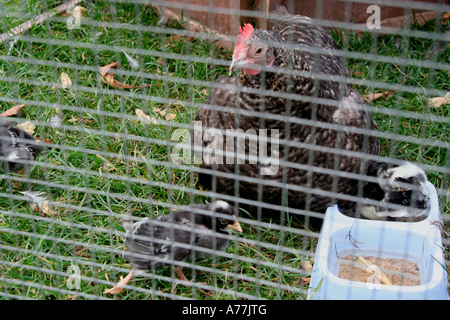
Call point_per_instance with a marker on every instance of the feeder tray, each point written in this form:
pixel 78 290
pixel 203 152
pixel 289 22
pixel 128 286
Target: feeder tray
pixel 368 259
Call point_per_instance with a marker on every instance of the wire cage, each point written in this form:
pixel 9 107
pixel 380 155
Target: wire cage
pixel 111 91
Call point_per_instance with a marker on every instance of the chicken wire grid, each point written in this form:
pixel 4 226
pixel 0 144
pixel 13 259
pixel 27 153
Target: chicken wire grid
pixel 111 89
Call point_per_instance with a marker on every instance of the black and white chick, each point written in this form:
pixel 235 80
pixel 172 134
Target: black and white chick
pixel 16 144
pixel 177 236
pixel 401 192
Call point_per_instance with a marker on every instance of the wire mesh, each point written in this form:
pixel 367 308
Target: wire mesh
pixel 111 89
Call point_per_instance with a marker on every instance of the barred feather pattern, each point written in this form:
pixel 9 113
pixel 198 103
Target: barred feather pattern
pixel 305 79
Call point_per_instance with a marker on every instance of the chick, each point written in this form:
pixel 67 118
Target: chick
pixel 401 192
pixel 153 243
pixel 16 144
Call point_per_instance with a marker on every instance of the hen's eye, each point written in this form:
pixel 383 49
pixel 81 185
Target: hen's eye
pixel 223 221
pixel 259 51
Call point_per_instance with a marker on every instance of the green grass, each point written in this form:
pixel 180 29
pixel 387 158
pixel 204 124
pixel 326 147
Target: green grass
pixel 93 178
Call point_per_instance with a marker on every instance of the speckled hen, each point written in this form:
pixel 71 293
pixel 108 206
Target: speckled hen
pixel 292 83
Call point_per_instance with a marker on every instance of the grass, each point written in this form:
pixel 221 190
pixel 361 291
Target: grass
pixel 94 177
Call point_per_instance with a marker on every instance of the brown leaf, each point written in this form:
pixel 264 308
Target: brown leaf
pixel 170 116
pixel 163 113
pixel 80 252
pixel 27 126
pixel 356 73
pixel 384 94
pixel 65 80
pixel 45 209
pixel 439 101
pixel 78 12
pixel 375 96
pixel 145 117
pixel 12 111
pixel 108 78
pixel 302 281
pixel 307 265
pixel 306 280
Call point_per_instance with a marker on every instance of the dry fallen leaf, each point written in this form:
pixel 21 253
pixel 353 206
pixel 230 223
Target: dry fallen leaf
pixel 12 111
pixel 27 126
pixel 80 251
pixel 39 203
pixel 47 210
pixel 306 280
pixel 384 94
pixel 65 80
pixel 145 117
pixel 170 116
pixel 302 281
pixel 356 73
pixel 439 101
pixel 78 11
pixel 307 265
pixel 108 78
pixel 375 96
pixel 163 113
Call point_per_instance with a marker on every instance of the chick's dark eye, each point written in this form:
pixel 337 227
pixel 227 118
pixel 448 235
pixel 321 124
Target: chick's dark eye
pixel 259 51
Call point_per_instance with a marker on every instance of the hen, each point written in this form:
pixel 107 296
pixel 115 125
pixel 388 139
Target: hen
pixel 292 84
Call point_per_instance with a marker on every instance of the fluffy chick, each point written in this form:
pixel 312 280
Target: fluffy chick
pixel 401 192
pixel 153 243
pixel 16 144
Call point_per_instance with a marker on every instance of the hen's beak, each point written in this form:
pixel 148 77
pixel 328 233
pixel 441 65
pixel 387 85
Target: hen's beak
pixel 232 68
pixel 235 226
pixel 237 62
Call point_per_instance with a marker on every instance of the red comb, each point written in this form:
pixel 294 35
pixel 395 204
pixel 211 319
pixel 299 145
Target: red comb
pixel 246 33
